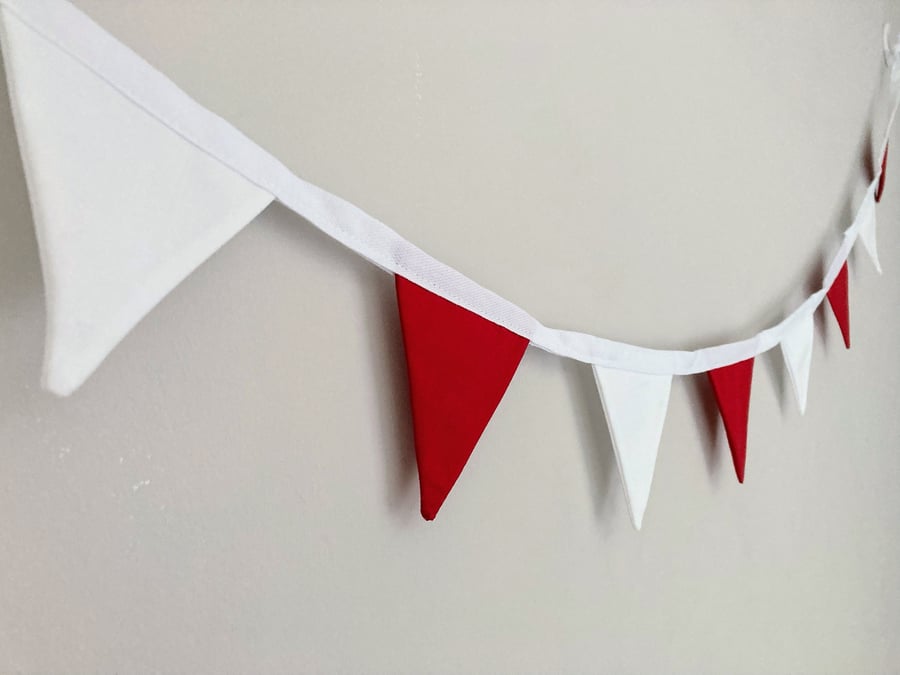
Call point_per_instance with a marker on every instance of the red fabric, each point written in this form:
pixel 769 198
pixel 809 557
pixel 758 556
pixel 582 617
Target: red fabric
pixel 459 366
pixel 731 385
pixel 839 299
pixel 880 187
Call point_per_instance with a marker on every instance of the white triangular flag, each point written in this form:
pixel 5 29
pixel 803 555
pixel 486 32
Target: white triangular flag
pixel 635 407
pixel 124 207
pixel 867 228
pixel 797 346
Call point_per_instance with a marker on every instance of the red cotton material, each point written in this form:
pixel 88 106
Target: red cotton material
pixel 731 385
pixel 839 299
pixel 459 366
pixel 880 188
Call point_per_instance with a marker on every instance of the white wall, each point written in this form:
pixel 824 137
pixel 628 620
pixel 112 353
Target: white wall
pixel 235 489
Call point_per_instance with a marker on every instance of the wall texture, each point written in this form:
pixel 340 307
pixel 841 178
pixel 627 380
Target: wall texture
pixel 235 489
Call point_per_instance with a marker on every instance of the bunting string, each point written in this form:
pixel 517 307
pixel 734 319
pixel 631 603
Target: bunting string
pixel 114 242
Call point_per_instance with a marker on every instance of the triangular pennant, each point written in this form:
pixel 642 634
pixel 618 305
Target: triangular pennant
pixel 797 346
pixel 881 176
pixel 867 228
pixel 839 299
pixel 635 407
pixel 124 208
pixel 459 366
pixel 731 385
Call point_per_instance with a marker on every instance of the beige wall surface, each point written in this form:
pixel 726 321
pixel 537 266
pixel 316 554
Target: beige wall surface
pixel 235 489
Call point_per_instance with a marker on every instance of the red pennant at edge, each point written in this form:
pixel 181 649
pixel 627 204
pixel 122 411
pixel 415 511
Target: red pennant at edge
pixel 839 299
pixel 459 365
pixel 880 189
pixel 731 385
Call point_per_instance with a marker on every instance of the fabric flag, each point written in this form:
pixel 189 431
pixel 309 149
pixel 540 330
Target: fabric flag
pixel 839 299
pixel 881 176
pixel 731 385
pixel 797 347
pixel 124 208
pixel 459 366
pixel 867 227
pixel 635 406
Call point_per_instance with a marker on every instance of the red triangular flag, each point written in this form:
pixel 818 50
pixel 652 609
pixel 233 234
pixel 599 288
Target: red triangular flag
pixel 839 299
pixel 731 385
pixel 459 366
pixel 880 187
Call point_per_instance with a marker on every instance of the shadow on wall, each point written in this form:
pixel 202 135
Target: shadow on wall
pixel 596 444
pixel 21 286
pixel 387 361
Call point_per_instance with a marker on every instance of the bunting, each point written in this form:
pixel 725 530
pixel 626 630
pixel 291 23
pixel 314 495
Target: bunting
pixel 731 385
pixel 133 184
pixel 881 174
pixel 115 234
pixel 796 347
pixel 867 226
pixel 635 406
pixel 459 366
pixel 839 299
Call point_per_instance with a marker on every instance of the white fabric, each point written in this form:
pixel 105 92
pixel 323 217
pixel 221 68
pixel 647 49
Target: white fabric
pixel 72 32
pixel 867 228
pixel 797 347
pixel 635 406
pixel 891 54
pixel 124 208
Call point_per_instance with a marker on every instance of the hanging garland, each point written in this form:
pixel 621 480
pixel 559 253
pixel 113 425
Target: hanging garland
pixel 133 185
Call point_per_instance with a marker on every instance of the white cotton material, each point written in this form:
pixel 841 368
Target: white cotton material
pixel 77 38
pixel 867 227
pixel 797 347
pixel 124 209
pixel 635 406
